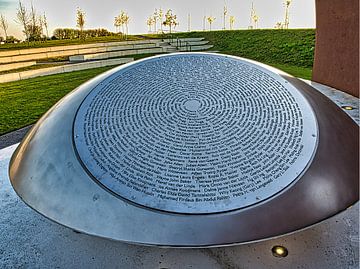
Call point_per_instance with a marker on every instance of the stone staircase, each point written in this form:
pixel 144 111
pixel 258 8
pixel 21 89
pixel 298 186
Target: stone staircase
pixel 88 56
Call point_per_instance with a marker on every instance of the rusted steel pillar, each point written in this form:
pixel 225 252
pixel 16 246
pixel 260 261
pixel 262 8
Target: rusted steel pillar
pixel 336 60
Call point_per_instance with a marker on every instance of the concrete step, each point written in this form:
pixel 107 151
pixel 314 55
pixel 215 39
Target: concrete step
pixel 196 48
pixel 61 69
pixel 188 39
pixel 169 48
pixel 6 67
pixel 189 43
pixel 66 53
pixel 114 54
pixel 76 47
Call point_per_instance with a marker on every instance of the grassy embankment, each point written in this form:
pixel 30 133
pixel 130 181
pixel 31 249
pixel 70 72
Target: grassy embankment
pixel 23 102
pixel 289 50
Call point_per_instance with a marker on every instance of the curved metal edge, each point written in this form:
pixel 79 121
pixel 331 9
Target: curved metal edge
pixel 231 228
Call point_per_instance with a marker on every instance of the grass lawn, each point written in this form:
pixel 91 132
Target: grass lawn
pixel 293 47
pixel 23 102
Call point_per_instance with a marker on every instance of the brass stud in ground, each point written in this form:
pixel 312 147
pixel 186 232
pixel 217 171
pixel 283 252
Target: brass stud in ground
pixel 279 251
pixel 348 107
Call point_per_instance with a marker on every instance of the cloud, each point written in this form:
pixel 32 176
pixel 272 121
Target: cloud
pixel 5 4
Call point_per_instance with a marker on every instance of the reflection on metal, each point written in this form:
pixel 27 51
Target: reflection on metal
pixel 189 150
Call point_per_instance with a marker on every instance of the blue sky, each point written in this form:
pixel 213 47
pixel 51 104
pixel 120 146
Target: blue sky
pixel 102 13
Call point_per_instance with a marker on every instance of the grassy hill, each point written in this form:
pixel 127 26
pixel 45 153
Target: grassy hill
pixel 290 50
pixel 292 47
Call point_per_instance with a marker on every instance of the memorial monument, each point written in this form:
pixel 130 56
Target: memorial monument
pixel 189 150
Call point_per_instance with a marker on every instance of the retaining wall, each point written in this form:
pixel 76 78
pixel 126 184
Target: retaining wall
pixel 97 56
pixel 65 53
pixel 61 69
pixel 5 67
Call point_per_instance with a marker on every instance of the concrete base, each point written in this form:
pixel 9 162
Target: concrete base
pixel 28 240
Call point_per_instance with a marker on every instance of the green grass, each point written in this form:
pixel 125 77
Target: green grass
pixel 23 102
pixel 296 71
pixel 64 42
pixel 288 47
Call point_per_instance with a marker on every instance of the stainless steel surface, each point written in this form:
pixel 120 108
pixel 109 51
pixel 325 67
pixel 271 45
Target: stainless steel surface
pixel 203 133
pixel 47 175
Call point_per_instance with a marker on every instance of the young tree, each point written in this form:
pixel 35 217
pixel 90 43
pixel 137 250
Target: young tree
pixel 117 23
pixel 125 20
pixel 160 17
pixel 287 19
pixel 210 20
pixel 4 25
pixel 224 14
pixel 170 20
pixel 189 22
pixel 155 17
pixel 41 25
pixel 34 25
pixel 231 22
pixel 254 18
pixel 80 21
pixel 45 22
pixel 279 25
pixel 150 23
pixel 22 18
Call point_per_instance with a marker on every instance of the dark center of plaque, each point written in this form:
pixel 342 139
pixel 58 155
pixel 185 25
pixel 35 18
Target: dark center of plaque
pixel 192 105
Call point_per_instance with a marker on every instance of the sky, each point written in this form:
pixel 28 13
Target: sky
pixel 100 14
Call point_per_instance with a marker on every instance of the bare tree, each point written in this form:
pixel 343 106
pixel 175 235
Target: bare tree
pixel 34 25
pixel 122 21
pixel 45 22
pixel 189 22
pixel 224 14
pixel 150 23
pixel 210 20
pixel 22 18
pixel 155 17
pixel 125 20
pixel 117 23
pixel 279 25
pixel 170 20
pixel 41 25
pixel 254 18
pixel 4 25
pixel 287 19
pixel 161 17
pixel 80 21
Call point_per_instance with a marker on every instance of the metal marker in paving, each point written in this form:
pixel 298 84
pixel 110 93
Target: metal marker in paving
pixel 190 149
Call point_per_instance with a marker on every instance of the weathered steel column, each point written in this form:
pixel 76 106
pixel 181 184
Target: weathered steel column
pixel 337 45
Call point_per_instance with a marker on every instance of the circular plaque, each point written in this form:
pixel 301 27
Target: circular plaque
pixel 195 133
